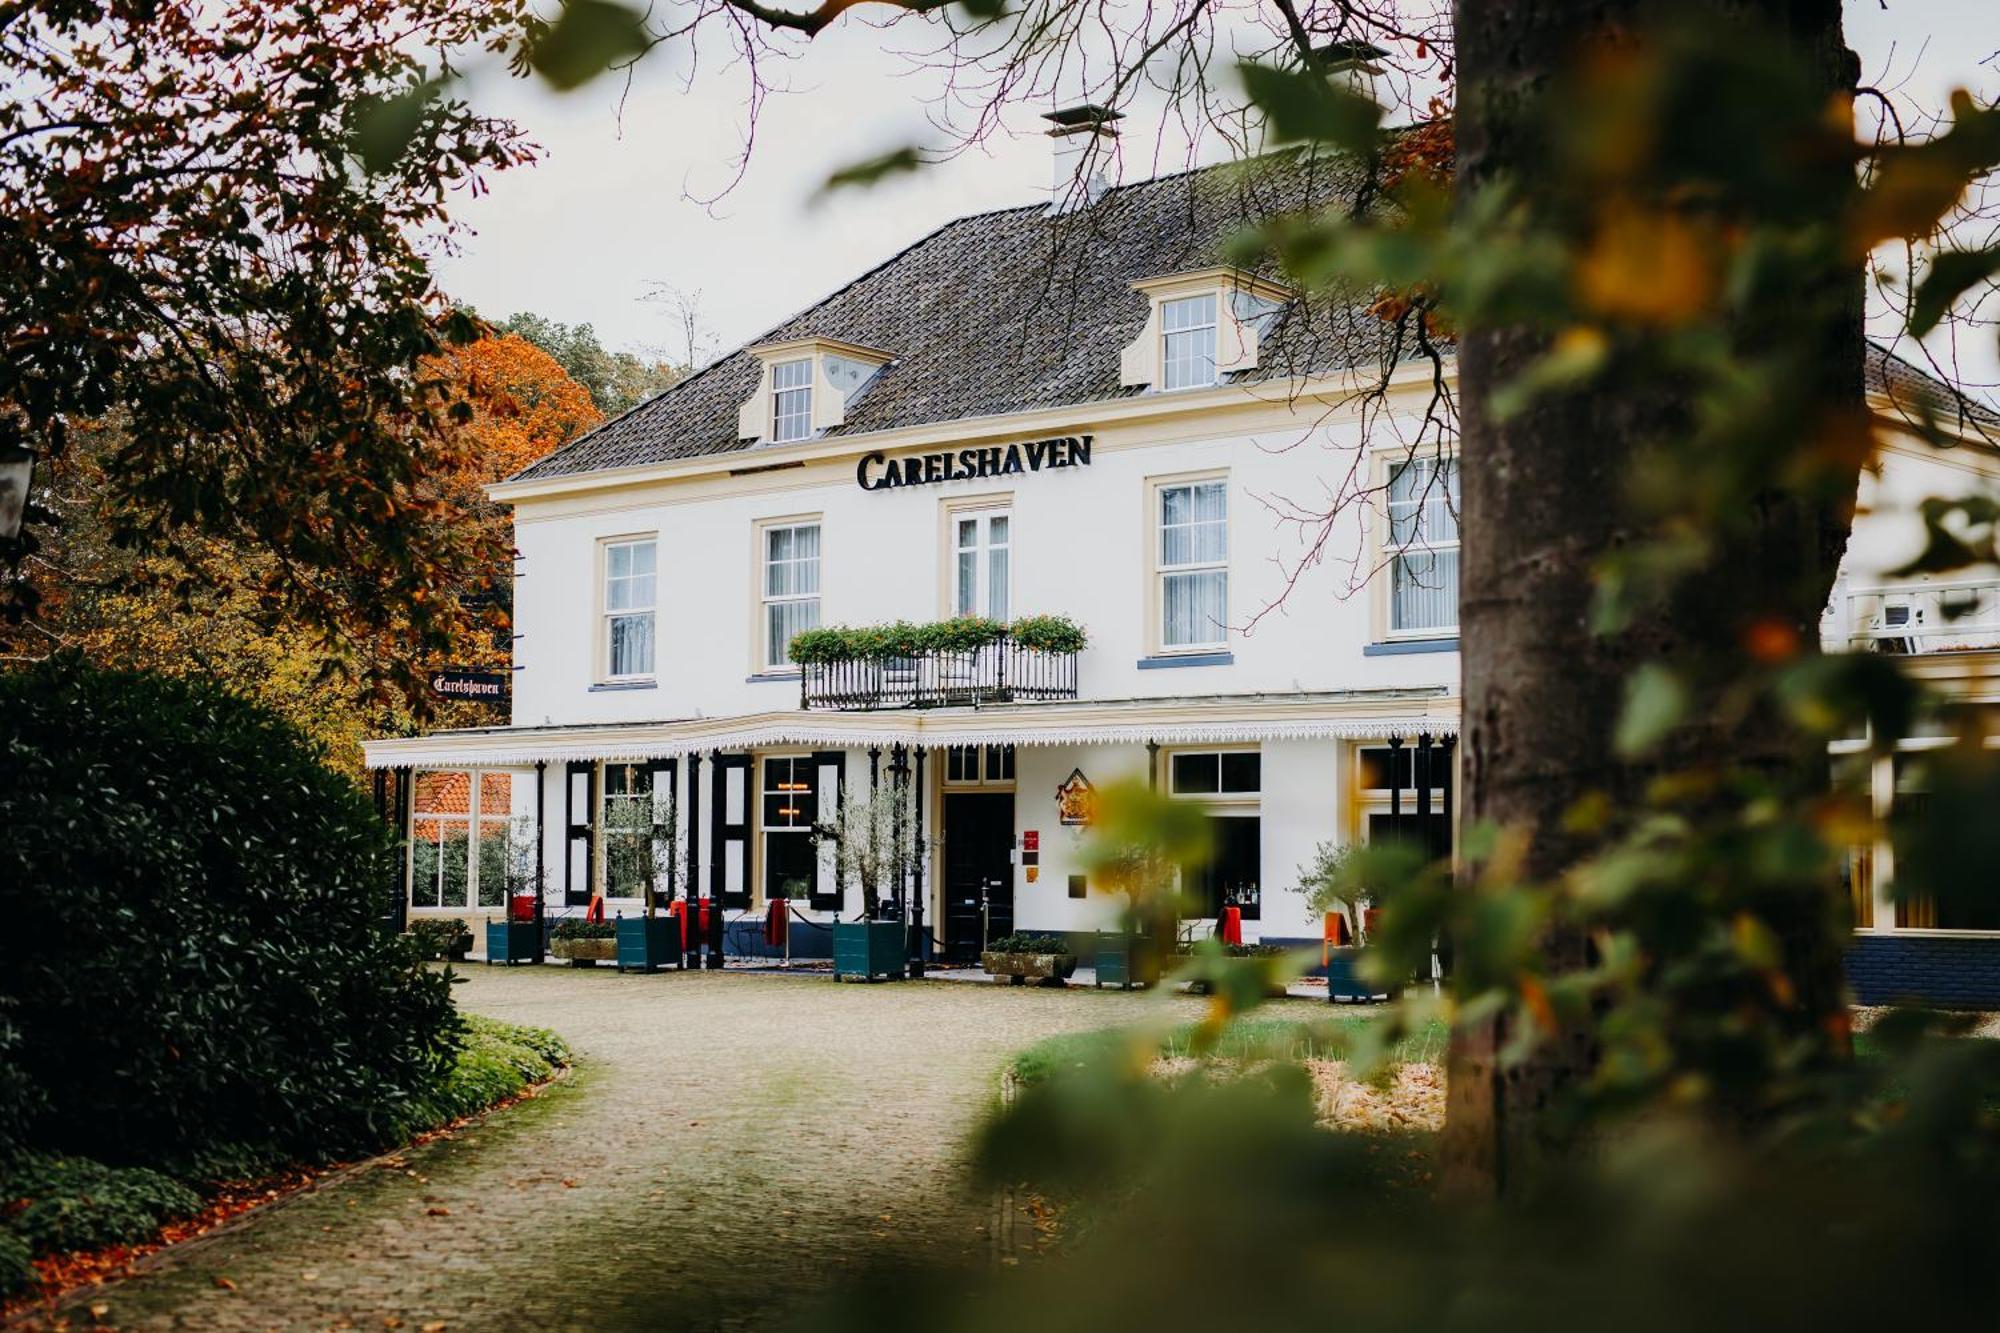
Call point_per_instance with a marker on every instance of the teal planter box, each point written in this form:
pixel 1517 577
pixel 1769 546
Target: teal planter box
pixel 869 949
pixel 1341 981
pixel 1126 961
pixel 512 942
pixel 648 943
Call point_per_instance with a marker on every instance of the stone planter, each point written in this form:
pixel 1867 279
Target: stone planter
pixel 513 942
pixel 1048 969
pixel 585 953
pixel 865 950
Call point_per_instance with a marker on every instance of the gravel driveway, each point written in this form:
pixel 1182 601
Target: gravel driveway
pixel 726 1143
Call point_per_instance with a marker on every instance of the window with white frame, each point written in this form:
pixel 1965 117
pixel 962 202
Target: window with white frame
pixel 791 861
pixel 630 589
pixel 791 588
pixel 471 838
pixel 1423 539
pixel 978 765
pixel 1194 564
pixel 1187 342
pixel 791 400
pixel 980 570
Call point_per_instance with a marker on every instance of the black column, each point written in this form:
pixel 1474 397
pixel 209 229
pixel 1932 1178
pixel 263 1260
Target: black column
pixel 1152 765
pixel 691 910
pixel 1395 779
pixel 541 865
pixel 715 906
pixel 1420 772
pixel 917 938
pixel 1448 825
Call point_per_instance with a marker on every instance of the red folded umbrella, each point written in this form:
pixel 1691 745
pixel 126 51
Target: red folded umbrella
pixel 1231 925
pixel 777 920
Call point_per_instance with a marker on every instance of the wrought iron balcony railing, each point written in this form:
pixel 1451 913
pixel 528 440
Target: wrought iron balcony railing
pixel 1920 617
pixel 998 672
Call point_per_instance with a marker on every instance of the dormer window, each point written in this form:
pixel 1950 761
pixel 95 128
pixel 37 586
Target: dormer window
pixel 791 400
pixel 805 386
pixel 1187 341
pixel 1201 326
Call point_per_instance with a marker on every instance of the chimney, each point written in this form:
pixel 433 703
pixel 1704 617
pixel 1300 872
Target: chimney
pixel 1085 140
pixel 1353 65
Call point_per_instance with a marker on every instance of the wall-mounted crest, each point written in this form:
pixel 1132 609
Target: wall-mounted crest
pixel 1076 799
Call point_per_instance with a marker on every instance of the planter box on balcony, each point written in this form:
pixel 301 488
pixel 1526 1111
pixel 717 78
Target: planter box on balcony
pixel 1126 961
pixel 513 942
pixel 998 672
pixel 648 943
pixel 585 953
pixel 1050 969
pixel 865 950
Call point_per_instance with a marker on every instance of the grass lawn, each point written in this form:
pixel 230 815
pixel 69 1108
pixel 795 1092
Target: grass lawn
pixel 1262 1036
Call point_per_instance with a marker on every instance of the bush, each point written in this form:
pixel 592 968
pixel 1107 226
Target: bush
pixel 17 1264
pixel 73 1203
pixel 497 1061
pixel 440 937
pixel 197 952
pixel 876 643
pixel 1025 943
pixel 584 930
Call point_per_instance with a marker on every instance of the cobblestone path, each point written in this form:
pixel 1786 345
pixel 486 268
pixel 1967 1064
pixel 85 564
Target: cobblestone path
pixel 725 1144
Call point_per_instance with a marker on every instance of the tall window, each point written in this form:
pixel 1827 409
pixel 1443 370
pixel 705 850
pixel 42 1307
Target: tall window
pixel 791 400
pixel 790 862
pixel 1187 342
pixel 629 590
pixel 1423 536
pixel 973 765
pixel 982 565
pixel 471 838
pixel 1194 564
pixel 791 587
pixel 628 830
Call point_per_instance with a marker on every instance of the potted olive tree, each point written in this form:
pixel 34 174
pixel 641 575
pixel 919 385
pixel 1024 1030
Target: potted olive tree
pixel 1045 959
pixel 508 939
pixel 874 843
pixel 1332 891
pixel 1138 845
pixel 642 846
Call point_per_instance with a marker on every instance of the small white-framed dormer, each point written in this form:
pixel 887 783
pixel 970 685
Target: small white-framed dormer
pixel 804 386
pixel 1200 326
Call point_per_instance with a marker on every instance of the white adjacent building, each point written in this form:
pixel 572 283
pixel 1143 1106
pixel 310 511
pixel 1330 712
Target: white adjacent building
pixel 1088 413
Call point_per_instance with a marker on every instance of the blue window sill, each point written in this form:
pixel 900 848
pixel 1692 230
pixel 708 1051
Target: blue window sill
pixel 1187 660
pixel 1402 646
pixel 610 685
pixel 770 677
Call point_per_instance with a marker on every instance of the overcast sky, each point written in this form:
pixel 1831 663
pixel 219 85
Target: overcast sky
pixel 617 202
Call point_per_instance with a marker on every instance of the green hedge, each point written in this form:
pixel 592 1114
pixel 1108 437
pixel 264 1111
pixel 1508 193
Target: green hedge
pixel 573 929
pixel 875 643
pixel 74 1203
pixel 196 952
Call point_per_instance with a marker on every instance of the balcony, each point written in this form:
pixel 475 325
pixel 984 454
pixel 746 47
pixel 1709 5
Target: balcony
pixel 956 664
pixel 1961 616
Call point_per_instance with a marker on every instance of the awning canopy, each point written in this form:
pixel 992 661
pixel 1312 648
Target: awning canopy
pixel 1233 719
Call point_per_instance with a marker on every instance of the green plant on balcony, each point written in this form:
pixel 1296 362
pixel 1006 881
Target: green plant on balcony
pixel 962 634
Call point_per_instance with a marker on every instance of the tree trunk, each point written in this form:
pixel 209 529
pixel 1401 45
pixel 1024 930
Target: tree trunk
pixel 1541 501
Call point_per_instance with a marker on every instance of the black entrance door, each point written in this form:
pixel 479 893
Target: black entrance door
pixel 978 871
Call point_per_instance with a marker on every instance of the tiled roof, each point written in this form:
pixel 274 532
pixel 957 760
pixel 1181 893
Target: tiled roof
pixel 1014 310
pixel 1004 312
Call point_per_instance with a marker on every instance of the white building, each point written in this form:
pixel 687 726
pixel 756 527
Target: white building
pixel 1086 413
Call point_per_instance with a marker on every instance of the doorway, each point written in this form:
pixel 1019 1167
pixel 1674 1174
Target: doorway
pixel 978 871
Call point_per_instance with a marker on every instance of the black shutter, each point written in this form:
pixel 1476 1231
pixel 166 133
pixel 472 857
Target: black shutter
pixel 729 847
pixel 829 786
pixel 664 783
pixel 580 801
